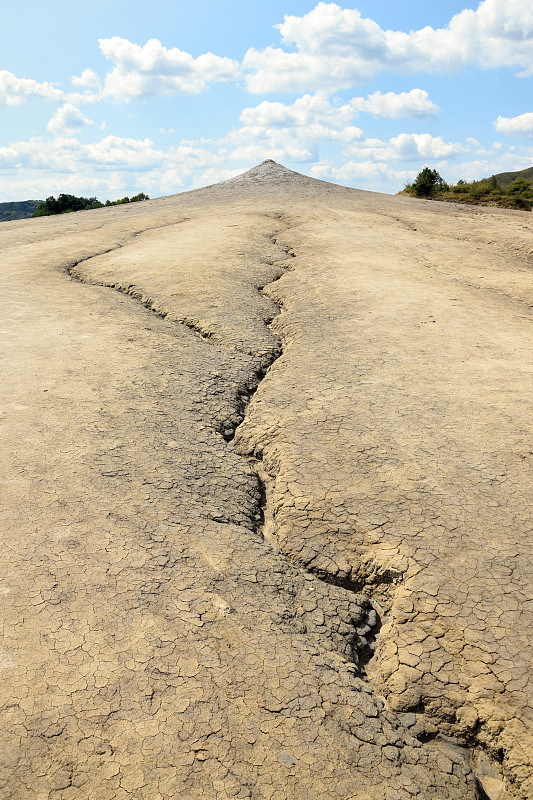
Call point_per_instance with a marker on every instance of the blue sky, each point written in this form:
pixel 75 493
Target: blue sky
pixel 113 98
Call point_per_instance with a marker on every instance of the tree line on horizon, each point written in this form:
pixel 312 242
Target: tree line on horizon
pixel 429 184
pixel 69 203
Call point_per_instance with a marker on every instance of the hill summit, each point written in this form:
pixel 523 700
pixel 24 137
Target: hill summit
pixel 271 173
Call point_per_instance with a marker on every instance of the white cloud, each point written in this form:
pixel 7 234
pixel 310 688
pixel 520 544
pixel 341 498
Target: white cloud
pixel 87 78
pixel 155 70
pixel 415 104
pixel 337 47
pixel 14 91
pixel 68 154
pixel 370 175
pixel 37 154
pixel 508 161
pixel 516 126
pixel 406 147
pixel 311 113
pixel 68 119
pixel 478 147
pixel 119 153
pixel 292 131
pixel 312 110
pixel 111 155
pixel 111 167
pixel 295 131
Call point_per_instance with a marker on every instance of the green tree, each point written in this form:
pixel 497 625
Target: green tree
pixel 135 199
pixel 64 204
pixel 427 183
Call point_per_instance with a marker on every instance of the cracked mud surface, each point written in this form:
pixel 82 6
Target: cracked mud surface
pixel 323 591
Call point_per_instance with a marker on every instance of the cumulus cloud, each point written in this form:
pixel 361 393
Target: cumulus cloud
pixel 295 131
pixel 67 120
pixel 516 126
pixel 68 154
pixel 415 104
pixel 337 47
pixel 111 155
pixel 87 78
pixel 110 167
pixel 406 147
pixel 14 91
pixel 312 113
pixel 335 121
pixel 364 172
pixel 120 153
pixel 153 69
pixel 36 154
pixel 292 131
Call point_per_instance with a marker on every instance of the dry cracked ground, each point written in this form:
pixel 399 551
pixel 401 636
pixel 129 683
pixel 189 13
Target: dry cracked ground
pixel 265 501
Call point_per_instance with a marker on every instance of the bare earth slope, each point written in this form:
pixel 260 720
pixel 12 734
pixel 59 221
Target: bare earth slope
pixel 322 593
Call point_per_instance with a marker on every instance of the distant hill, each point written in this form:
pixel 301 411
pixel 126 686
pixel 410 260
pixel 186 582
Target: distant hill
pixel 20 210
pixel 505 178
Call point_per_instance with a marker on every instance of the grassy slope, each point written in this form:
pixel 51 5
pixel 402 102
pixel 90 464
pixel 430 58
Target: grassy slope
pixel 481 193
pixel 505 178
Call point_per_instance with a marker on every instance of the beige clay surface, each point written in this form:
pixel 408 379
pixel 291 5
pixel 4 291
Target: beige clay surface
pixel 323 593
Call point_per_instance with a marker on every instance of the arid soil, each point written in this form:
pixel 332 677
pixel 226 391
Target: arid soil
pixel 266 498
